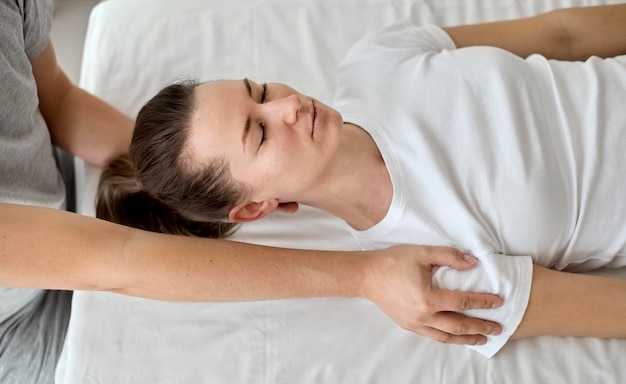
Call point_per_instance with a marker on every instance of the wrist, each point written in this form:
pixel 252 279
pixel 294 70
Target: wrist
pixel 367 272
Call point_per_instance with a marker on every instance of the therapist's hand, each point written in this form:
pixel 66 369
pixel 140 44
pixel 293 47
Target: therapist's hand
pixel 399 281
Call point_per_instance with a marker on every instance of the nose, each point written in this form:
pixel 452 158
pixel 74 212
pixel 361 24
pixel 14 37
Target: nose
pixel 287 109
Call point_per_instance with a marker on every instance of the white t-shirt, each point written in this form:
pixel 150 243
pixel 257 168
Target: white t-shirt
pixel 495 155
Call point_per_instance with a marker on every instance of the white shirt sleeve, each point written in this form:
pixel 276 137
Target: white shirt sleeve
pixel 509 277
pixel 404 36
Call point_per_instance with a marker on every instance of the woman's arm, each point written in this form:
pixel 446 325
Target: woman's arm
pixel 45 248
pixel 572 304
pixel 565 34
pixel 78 122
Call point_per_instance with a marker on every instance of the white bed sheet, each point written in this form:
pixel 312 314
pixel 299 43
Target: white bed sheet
pixel 135 47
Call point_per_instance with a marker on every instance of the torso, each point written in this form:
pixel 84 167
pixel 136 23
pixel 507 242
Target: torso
pixel 481 158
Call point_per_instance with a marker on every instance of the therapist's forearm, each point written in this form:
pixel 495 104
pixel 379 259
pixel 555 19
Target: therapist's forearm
pixel 45 248
pixel 220 270
pixel 573 304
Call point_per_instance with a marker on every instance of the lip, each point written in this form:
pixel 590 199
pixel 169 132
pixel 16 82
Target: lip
pixel 318 113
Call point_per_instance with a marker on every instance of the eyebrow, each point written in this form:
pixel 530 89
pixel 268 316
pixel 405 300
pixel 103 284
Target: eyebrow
pixel 246 128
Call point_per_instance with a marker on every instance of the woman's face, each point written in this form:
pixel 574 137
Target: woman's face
pixel 276 141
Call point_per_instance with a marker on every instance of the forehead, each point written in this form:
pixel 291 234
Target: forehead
pixel 218 102
pixel 216 119
pixel 219 88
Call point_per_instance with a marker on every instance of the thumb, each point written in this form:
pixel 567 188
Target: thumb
pixel 453 258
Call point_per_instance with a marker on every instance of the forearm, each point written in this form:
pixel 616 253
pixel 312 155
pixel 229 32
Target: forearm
pixel 568 304
pixel 90 128
pixel 44 248
pixel 219 270
pixel 78 122
pixel 599 30
pixel 563 34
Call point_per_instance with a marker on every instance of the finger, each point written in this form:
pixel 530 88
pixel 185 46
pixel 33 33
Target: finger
pixel 461 325
pixel 448 338
pixel 447 256
pixel 458 301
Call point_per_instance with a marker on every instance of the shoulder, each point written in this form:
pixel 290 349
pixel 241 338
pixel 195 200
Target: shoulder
pixel 403 36
pixel 27 22
pixel 388 59
pixel 383 55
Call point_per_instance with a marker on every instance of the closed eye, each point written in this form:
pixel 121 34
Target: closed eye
pixel 261 124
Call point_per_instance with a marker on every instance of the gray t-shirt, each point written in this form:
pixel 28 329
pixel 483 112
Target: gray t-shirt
pixel 32 322
pixel 28 173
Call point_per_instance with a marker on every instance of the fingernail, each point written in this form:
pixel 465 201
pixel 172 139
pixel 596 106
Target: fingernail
pixel 470 259
pixel 496 331
pixel 482 341
pixel 497 304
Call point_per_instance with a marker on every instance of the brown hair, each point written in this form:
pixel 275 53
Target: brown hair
pixel 155 187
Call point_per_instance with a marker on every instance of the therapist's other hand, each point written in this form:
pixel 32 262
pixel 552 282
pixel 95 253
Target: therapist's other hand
pixel 399 282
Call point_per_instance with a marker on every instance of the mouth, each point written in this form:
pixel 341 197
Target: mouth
pixel 317 114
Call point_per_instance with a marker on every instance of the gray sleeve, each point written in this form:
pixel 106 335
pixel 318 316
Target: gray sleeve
pixel 37 16
pixel 28 174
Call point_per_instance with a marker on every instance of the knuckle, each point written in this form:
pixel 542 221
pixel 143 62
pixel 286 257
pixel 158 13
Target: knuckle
pixel 460 329
pixel 453 254
pixel 419 320
pixel 465 304
pixel 444 338
pixel 411 323
pixel 426 306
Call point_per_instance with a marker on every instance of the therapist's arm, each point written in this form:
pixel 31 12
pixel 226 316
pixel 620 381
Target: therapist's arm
pixel 78 122
pixel 572 304
pixel 565 34
pixel 46 248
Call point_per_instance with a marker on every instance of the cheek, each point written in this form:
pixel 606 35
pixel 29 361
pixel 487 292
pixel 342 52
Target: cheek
pixel 291 157
pixel 283 156
pixel 281 151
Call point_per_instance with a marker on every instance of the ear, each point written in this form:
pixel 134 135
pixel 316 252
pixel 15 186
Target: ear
pixel 251 210
pixel 288 207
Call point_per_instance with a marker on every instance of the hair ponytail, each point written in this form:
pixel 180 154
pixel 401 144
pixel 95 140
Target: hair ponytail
pixel 121 199
pixel 157 187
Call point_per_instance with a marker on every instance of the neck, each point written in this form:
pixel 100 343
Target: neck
pixel 358 188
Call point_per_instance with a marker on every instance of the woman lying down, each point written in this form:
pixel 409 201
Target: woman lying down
pixel 504 140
